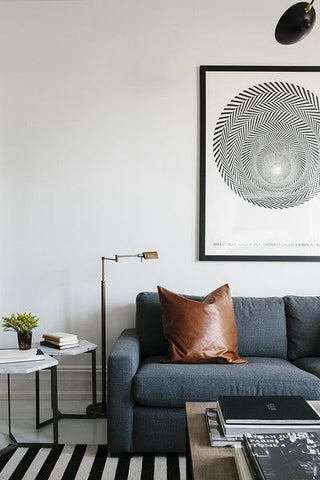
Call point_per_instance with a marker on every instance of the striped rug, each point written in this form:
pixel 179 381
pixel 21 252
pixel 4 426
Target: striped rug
pixel 88 462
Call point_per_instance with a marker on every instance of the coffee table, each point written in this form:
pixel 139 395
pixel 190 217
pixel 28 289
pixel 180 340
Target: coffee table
pixel 206 462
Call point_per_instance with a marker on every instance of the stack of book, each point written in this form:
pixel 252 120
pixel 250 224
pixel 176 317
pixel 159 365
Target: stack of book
pixel 216 435
pixel 279 456
pixel 14 355
pixel 236 416
pixel 275 437
pixel 60 340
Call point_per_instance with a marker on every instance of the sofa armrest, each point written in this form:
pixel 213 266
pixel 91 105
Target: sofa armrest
pixel 123 363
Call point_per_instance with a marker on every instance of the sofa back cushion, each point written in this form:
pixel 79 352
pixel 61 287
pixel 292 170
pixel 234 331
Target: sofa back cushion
pixel 149 324
pixel 261 325
pixel 303 325
pixel 262 330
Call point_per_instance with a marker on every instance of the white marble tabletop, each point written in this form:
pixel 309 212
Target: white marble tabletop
pixel 84 346
pixel 27 367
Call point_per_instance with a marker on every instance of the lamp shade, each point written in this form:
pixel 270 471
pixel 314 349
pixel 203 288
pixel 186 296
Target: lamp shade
pixel 295 23
pixel 150 255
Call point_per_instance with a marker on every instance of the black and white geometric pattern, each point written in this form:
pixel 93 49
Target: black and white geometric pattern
pixel 88 462
pixel 266 145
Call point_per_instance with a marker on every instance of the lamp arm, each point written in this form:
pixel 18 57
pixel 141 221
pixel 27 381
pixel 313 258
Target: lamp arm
pixel 127 256
pixel 309 6
pixel 143 256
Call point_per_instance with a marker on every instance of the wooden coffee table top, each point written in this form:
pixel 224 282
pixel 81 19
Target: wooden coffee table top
pixel 210 463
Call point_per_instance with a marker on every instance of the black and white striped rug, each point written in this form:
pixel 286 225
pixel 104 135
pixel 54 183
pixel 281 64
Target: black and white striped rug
pixel 88 462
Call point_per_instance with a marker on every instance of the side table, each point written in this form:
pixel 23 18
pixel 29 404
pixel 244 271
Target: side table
pixel 84 347
pixel 25 368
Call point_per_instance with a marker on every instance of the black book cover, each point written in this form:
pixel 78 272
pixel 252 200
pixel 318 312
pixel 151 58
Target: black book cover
pixel 58 347
pixel 284 456
pixel 267 409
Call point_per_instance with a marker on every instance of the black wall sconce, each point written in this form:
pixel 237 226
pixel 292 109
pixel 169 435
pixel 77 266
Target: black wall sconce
pixel 295 23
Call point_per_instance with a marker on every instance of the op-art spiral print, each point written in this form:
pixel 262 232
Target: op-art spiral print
pixel 266 145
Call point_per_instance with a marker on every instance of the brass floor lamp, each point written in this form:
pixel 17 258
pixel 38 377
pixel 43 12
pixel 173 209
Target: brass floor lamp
pixel 99 410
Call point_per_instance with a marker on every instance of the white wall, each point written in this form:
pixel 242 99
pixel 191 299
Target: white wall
pixel 99 145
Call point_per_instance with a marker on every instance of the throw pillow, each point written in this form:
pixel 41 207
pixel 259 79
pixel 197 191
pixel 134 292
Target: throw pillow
pixel 200 332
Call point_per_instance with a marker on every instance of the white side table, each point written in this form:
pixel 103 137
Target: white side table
pixel 25 368
pixel 84 347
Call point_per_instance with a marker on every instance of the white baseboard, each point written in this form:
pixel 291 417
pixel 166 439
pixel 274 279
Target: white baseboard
pixel 74 383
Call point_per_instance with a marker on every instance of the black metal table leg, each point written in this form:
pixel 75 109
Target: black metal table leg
pixel 54 403
pixel 37 400
pixel 9 413
pixel 60 414
pixel 14 443
pixel 94 377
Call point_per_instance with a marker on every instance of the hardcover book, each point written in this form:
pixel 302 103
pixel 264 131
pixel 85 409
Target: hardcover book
pixel 60 337
pixel 244 468
pixel 230 430
pixel 267 410
pixel 62 342
pixel 59 347
pixel 284 456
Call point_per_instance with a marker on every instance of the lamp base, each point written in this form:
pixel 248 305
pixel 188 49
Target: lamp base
pixel 97 410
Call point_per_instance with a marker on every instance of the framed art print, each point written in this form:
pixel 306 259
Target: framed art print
pixel 260 163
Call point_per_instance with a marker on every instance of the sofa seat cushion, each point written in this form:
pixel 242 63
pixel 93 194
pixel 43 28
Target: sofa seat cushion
pixel 309 364
pixel 171 385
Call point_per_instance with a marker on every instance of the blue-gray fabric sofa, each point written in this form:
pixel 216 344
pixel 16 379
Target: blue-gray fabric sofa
pixel 280 337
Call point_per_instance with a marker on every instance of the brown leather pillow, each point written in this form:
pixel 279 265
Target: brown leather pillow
pixel 200 332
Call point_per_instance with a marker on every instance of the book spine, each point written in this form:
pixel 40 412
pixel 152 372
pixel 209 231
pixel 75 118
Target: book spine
pixel 253 471
pixel 58 347
pixel 253 460
pixel 71 342
pixel 60 340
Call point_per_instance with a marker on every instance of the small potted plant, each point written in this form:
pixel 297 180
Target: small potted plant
pixel 22 323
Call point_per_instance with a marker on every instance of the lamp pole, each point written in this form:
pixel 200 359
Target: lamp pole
pixel 99 410
pixel 103 341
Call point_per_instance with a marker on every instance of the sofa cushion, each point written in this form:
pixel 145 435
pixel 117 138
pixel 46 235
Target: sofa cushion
pixel 303 325
pixel 171 385
pixel 149 323
pixel 200 332
pixel 309 364
pixel 262 329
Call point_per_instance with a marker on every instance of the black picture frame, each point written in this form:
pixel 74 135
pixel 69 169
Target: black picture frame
pixel 309 76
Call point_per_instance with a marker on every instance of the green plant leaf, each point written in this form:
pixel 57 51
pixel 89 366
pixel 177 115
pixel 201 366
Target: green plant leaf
pixel 19 322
